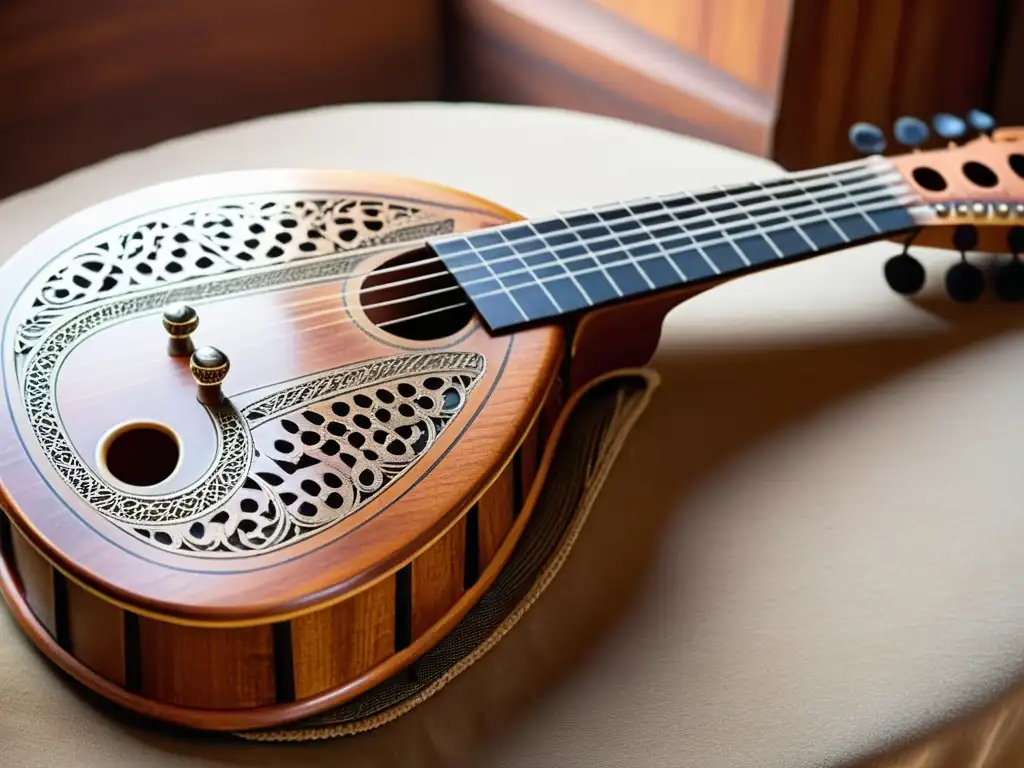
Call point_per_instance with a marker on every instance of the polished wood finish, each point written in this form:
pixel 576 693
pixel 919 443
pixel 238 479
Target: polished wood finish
pixel 85 81
pixel 232 719
pixel 207 668
pixel 36 577
pixel 96 634
pixel 496 516
pixel 223 647
pixel 343 642
pixel 437 579
pixel 707 69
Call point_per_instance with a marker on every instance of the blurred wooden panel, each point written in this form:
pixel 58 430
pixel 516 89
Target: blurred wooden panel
pixel 677 21
pixel 875 60
pixel 82 81
pixel 746 39
pixel 1007 93
pixel 640 61
pixel 741 37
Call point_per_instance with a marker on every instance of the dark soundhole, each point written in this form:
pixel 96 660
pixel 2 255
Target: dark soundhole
pixel 929 178
pixel 415 297
pixel 142 456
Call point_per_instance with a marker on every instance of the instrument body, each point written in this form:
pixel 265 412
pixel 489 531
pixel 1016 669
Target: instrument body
pixel 254 531
pixel 168 599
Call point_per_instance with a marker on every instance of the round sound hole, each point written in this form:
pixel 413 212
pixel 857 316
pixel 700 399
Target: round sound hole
pixel 413 296
pixel 141 455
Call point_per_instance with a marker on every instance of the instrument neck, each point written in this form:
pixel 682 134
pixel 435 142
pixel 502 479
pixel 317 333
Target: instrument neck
pixel 544 269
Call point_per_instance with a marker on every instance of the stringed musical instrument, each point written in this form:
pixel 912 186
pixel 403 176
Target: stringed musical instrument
pixel 269 435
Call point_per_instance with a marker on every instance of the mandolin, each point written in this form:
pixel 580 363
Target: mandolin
pixel 269 435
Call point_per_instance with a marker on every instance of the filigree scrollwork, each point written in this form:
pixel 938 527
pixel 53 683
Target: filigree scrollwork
pixel 190 243
pixel 193 253
pixel 325 448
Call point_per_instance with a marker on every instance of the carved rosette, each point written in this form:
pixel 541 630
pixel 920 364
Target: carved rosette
pixel 232 246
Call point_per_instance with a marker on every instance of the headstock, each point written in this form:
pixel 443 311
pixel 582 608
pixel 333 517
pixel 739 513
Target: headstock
pixel 969 194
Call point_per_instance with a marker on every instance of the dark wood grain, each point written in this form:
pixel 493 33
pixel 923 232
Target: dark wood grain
pixel 496 513
pixel 96 633
pixel 438 579
pixel 85 81
pixel 343 642
pixel 36 579
pixel 555 54
pixel 207 668
pixel 874 60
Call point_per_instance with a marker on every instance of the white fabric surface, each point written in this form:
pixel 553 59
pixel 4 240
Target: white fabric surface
pixel 809 549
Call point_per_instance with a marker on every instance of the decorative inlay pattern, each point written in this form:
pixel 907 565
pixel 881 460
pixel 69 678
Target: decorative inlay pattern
pixel 324 448
pixel 199 243
pixel 189 254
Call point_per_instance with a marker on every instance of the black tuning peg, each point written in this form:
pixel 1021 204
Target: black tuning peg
pixel 964 281
pixel 949 127
pixel 866 138
pixel 904 273
pixel 910 132
pixel 980 121
pixel 1009 279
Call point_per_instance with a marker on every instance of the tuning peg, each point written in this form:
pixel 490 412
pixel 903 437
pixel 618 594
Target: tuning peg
pixel 910 131
pixel 964 281
pixel 980 121
pixel 949 127
pixel 903 272
pixel 866 138
pixel 1009 279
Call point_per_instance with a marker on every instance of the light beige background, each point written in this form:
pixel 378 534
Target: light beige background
pixel 809 550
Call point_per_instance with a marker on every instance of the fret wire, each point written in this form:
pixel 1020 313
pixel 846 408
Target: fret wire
pixel 574 231
pixel 700 248
pixel 887 205
pixel 852 166
pixel 857 168
pixel 533 275
pixel 494 276
pixel 707 218
pixel 783 210
pixel 857 208
pixel 590 254
pixel 846 189
pixel 657 242
pixel 831 222
pixel 812 202
pixel 572 276
pixel 757 225
pixel 622 245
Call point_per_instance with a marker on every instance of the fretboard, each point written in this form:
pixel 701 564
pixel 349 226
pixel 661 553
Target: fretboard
pixel 530 271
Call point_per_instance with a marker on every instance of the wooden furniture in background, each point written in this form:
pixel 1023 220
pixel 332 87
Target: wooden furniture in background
pixel 704 69
pixel 84 81
pixel 779 78
pixel 874 60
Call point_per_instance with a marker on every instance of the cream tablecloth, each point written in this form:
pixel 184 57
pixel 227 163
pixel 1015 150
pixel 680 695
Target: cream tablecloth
pixel 808 553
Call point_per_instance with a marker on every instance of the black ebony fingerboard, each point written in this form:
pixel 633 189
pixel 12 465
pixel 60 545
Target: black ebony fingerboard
pixel 525 272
